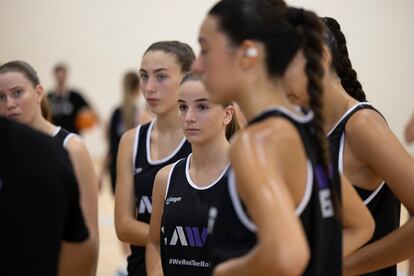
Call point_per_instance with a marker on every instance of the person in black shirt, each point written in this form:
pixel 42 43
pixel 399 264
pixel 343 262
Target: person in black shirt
pixel 39 202
pixel 364 148
pixel 21 96
pixel 185 191
pixel 125 117
pixel 144 150
pixel 287 199
pixel 70 110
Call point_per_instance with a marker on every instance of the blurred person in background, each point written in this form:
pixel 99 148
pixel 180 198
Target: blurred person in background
pixel 70 109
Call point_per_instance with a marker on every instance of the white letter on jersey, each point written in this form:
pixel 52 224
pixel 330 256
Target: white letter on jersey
pixel 145 204
pixel 178 234
pixel 326 203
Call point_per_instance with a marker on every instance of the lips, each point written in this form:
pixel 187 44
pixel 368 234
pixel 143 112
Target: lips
pixel 191 131
pixel 152 101
pixel 13 115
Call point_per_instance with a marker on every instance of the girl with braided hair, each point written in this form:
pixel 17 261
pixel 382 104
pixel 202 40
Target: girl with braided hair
pixel 280 213
pixel 382 175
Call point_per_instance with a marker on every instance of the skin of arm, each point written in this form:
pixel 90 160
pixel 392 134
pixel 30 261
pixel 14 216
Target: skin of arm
pixel 358 224
pixel 128 229
pixel 82 258
pixel 153 260
pixel 371 140
pixel 409 131
pixel 279 250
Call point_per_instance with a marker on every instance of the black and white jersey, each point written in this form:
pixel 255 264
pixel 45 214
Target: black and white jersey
pixel 234 234
pixel 384 206
pixel 62 135
pixel 184 223
pixel 145 170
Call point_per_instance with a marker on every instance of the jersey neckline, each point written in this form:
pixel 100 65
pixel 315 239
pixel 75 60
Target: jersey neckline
pixel 346 114
pixel 195 186
pixel 305 118
pixel 148 145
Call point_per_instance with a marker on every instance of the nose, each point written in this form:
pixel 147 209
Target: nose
pixel 149 85
pixel 190 116
pixel 197 65
pixel 10 103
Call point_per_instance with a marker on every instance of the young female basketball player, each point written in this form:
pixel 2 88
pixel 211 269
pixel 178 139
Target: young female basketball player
pixel 20 99
pixel 290 224
pixel 185 191
pixel 144 150
pixel 367 152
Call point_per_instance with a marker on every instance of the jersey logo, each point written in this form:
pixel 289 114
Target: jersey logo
pixel 187 236
pixel 212 215
pixel 138 170
pixel 172 200
pixel 145 205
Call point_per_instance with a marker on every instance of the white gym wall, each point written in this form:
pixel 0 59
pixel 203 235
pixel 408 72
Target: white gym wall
pixel 101 39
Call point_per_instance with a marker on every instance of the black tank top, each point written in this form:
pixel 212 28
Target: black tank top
pixel 184 243
pixel 384 206
pixel 145 170
pixel 234 234
pixel 62 136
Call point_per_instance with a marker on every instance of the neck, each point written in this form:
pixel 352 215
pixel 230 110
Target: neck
pixel 60 88
pixel 168 122
pixel 210 154
pixel 42 125
pixel 337 102
pixel 261 97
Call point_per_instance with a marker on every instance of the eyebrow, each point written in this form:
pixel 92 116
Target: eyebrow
pixel 198 100
pixel 155 71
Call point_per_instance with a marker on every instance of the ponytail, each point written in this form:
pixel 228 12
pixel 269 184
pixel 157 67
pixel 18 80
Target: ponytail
pixel 340 60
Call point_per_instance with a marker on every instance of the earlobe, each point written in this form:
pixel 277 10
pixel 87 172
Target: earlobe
pixel 39 93
pixel 229 113
pixel 326 57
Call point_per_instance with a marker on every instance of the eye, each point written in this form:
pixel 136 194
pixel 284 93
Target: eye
pixel 3 98
pixel 17 93
pixel 182 107
pixel 143 77
pixel 202 107
pixel 161 77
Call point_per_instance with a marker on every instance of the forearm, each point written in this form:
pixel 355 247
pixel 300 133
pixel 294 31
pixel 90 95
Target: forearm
pixel 354 238
pixel 390 250
pixel 133 232
pixel 153 259
pixel 260 262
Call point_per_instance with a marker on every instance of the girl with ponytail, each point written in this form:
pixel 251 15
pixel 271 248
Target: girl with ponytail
pixel 280 214
pixel 366 151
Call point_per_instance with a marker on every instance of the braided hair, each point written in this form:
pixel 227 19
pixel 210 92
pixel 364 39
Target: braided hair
pixel 341 63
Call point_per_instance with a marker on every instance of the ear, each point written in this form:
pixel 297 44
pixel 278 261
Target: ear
pixel 326 57
pixel 39 93
pixel 228 116
pixel 249 53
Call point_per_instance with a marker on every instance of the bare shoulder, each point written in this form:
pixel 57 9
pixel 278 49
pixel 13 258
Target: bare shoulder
pixel 271 134
pixel 76 146
pixel 163 174
pixel 365 121
pixel 128 137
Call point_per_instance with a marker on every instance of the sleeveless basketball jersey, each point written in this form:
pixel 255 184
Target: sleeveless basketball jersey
pixel 184 243
pixel 234 234
pixel 145 170
pixel 62 135
pixel 383 205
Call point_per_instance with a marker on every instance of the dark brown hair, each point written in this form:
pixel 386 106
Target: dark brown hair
pixel 341 64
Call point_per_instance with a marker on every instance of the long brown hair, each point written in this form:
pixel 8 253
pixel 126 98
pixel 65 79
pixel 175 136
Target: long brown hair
pixel 130 91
